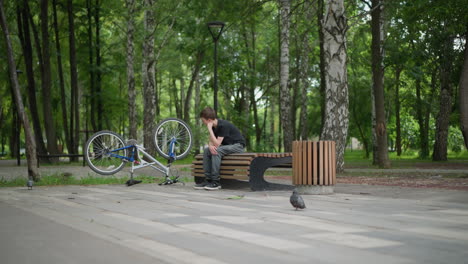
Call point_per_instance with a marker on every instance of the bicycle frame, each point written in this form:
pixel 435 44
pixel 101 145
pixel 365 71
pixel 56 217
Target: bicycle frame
pixel 155 164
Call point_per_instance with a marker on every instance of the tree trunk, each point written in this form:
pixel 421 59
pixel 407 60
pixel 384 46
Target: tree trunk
pixel 335 126
pixel 423 132
pixel 98 87
pixel 46 81
pixel 378 83
pixel 25 38
pixel 75 92
pixel 33 172
pixel 442 125
pixel 132 111
pixel 397 111
pixel 61 79
pixel 464 97
pixel 304 73
pixel 148 75
pixel 322 62
pixel 249 42
pixel 285 97
pixel 91 68
pixel 197 119
pixel 195 73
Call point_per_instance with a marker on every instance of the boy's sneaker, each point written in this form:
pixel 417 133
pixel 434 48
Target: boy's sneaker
pixel 201 186
pixel 213 186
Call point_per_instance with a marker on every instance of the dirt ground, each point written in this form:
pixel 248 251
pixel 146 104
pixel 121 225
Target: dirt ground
pixel 452 175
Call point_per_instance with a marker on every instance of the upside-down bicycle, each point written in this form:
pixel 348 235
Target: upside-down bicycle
pixel 107 153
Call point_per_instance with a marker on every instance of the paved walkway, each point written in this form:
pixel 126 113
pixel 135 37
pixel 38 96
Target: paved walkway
pixel 176 224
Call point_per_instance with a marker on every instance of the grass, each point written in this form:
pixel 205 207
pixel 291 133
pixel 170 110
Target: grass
pixel 60 179
pixel 353 159
pixel 356 158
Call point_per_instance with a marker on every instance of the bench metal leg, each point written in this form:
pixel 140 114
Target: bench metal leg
pixel 258 166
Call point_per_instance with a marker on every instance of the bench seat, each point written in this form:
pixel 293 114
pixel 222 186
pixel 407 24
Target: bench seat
pixel 245 166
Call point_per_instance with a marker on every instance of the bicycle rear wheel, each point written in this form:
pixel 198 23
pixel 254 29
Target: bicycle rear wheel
pixel 104 152
pixel 173 138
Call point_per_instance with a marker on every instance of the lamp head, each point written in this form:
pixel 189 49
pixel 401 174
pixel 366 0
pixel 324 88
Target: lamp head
pixel 215 28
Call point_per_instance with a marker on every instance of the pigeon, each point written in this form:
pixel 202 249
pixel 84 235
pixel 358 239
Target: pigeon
pixel 297 201
pixel 30 184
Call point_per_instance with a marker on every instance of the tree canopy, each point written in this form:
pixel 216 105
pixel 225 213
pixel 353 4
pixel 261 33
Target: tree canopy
pixel 422 45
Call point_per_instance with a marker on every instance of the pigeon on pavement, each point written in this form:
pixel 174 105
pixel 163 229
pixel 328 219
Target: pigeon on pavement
pixel 297 201
pixel 30 184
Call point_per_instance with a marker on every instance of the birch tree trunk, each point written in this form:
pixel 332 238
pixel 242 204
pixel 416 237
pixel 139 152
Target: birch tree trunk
pixel 464 97
pixel 132 111
pixel 33 172
pixel 378 84
pixel 148 75
pixel 285 97
pixel 336 121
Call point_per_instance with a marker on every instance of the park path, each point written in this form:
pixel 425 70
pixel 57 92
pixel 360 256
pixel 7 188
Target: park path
pixel 176 224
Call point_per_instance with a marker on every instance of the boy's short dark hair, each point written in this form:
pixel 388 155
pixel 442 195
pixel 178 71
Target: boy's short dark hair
pixel 208 113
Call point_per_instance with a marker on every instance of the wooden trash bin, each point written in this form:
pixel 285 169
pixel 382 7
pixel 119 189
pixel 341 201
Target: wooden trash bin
pixel 314 164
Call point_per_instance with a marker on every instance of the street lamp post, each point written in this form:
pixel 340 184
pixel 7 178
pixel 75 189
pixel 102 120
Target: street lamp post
pixel 215 28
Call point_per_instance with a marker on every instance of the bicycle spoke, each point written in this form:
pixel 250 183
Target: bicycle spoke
pixel 101 152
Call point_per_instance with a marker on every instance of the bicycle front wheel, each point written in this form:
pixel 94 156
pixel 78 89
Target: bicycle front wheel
pixel 104 152
pixel 173 138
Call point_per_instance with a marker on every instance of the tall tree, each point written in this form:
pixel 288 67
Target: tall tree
pixel 464 94
pixel 75 92
pixel 304 70
pixel 33 172
pixel 378 83
pixel 193 82
pixel 148 74
pixel 320 4
pixel 445 103
pixel 132 111
pixel 46 81
pixel 397 111
pixel 25 39
pixel 61 78
pixel 335 126
pixel 285 96
pixel 98 94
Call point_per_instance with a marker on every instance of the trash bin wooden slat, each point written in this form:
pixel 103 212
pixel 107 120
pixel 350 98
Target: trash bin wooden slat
pixel 314 163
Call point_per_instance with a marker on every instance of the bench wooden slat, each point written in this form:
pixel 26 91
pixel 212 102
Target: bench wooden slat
pixel 245 166
pixel 226 162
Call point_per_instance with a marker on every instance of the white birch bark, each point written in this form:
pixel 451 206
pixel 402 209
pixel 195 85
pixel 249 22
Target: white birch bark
pixel 285 97
pixel 336 120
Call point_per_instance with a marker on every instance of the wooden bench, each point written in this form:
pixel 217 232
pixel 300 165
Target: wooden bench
pixel 245 166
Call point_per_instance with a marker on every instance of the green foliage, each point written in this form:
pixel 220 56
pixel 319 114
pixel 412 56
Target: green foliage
pixel 248 65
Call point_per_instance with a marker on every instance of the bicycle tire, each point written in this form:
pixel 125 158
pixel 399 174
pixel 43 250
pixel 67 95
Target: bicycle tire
pixel 99 154
pixel 171 129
